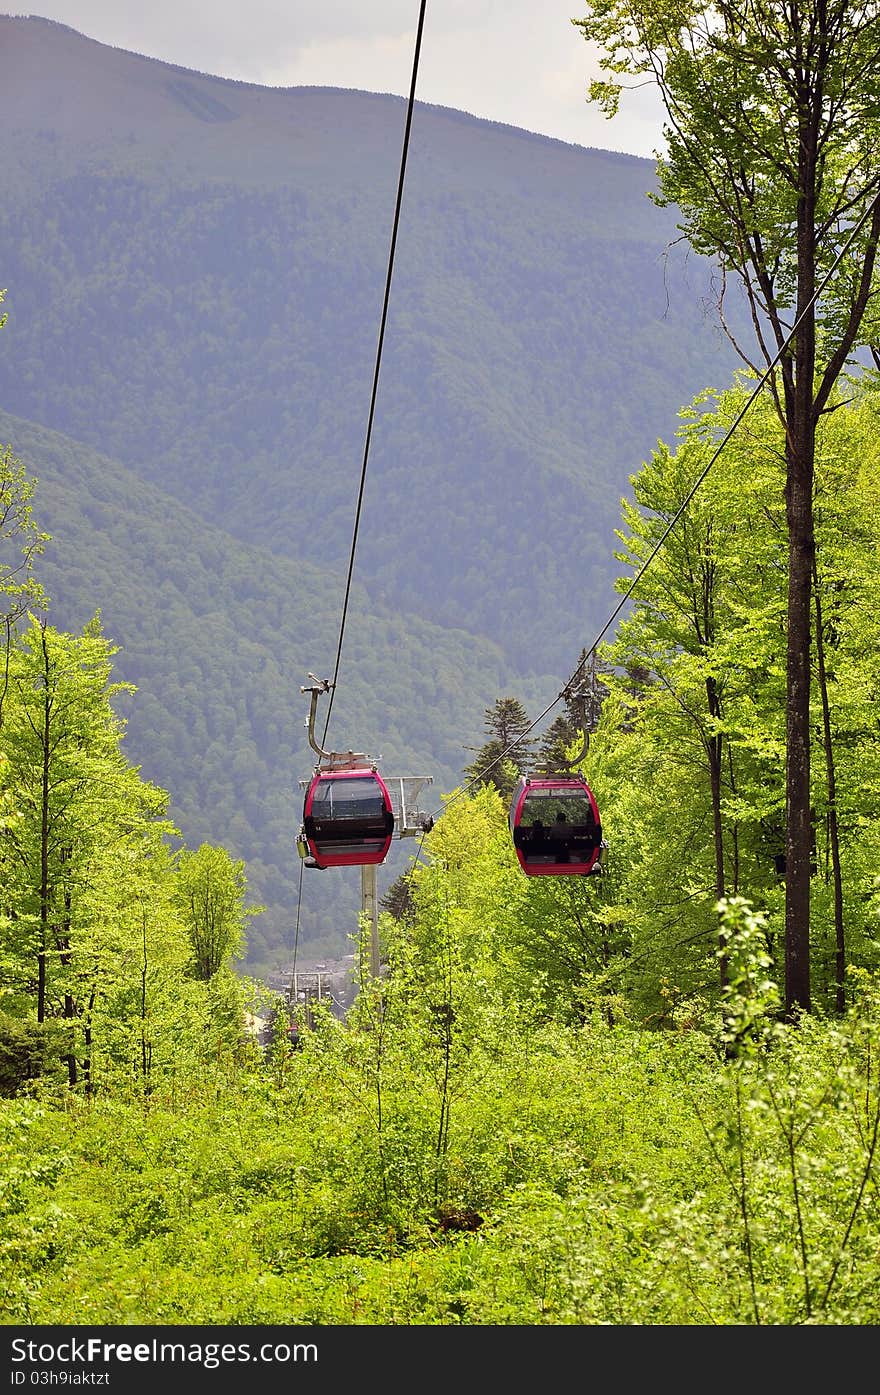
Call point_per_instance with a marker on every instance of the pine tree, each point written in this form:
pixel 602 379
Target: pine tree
pixel 508 752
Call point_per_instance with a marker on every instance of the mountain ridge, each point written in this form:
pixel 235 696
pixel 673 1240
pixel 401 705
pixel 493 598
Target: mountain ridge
pixel 453 113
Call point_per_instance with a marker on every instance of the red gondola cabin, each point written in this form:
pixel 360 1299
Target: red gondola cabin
pixel 555 826
pixel 348 819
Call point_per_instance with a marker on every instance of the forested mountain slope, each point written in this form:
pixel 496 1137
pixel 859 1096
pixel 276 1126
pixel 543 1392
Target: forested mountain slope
pixel 218 637
pixel 194 272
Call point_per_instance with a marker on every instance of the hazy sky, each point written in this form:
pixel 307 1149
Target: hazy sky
pixel 517 61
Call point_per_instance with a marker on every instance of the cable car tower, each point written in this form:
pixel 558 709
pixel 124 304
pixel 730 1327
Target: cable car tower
pixel 351 813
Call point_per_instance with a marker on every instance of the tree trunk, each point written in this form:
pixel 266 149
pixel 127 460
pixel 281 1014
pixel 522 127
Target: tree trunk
pixel 833 832
pixel 734 831
pixel 70 1017
pixel 714 752
pixel 800 453
pixel 44 838
pixel 87 1045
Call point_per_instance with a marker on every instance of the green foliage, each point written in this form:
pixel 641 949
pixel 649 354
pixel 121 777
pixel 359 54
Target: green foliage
pixel 210 893
pixel 95 938
pixel 771 160
pixel 688 760
pixel 590 1175
pixel 744 96
pixel 486 1139
pixel 28 1051
pixel 751 997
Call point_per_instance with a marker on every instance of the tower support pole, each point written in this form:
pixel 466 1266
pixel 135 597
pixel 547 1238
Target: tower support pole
pixel 370 908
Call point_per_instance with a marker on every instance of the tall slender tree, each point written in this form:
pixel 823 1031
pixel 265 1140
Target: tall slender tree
pixel 773 159
pixel 86 825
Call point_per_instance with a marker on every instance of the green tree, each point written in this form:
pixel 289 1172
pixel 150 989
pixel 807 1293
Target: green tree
pixel 84 855
pixel 211 891
pixel 701 726
pixel 21 543
pixel 846 794
pixel 773 159
pixel 86 827
pixel 698 745
pixel 59 730
pixel 689 608
pixel 507 753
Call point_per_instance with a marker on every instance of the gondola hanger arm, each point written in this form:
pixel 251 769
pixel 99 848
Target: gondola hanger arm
pixel 578 704
pixel 577 697
pixel 332 760
pixel 317 686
